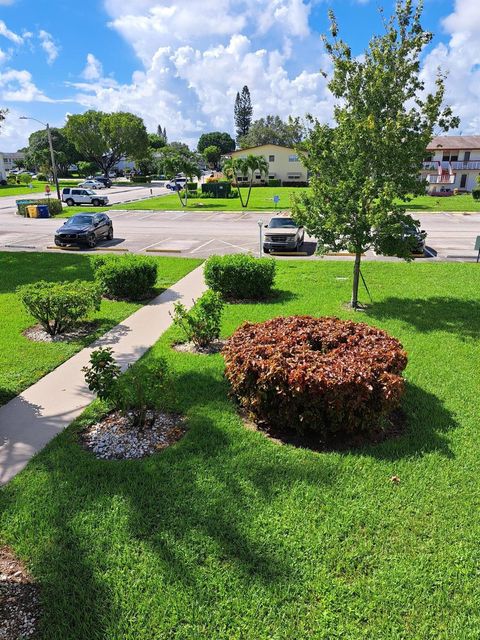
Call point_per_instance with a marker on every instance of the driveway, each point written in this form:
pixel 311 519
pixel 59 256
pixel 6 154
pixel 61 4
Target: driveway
pixel 450 236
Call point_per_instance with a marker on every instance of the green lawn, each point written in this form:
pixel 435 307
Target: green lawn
pixel 22 189
pixel 228 535
pixel 23 362
pixel 463 202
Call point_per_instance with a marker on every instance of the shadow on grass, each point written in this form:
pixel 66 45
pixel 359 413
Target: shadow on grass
pixel 453 315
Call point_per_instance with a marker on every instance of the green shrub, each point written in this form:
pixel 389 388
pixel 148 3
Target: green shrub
pixel 240 276
pixel 59 305
pixel 24 178
pixel 274 183
pixel 294 183
pixel 12 179
pixel 476 194
pixel 128 277
pixel 41 177
pixel 220 189
pixel 54 206
pixel 135 392
pixel 322 375
pixel 141 179
pixel 201 324
pixel 192 186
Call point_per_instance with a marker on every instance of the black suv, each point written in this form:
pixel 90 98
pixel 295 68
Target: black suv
pixel 106 181
pixel 84 228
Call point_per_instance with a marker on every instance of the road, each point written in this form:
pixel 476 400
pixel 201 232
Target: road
pixel 200 234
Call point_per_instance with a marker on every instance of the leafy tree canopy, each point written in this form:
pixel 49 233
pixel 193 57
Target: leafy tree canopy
pixel 155 141
pixel 104 138
pixel 37 154
pixel 212 155
pixel 384 119
pixel 274 130
pixel 222 140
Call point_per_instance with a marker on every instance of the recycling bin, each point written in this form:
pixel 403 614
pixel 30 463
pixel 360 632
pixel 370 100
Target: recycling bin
pixel 43 211
pixel 32 211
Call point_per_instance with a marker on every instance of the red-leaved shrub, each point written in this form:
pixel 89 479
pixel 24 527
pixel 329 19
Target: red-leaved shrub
pixel 325 375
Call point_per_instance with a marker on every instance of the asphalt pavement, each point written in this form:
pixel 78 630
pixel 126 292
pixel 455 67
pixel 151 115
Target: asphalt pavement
pixel 200 234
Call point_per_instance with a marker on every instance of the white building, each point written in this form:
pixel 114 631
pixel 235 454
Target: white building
pixel 284 164
pixel 452 162
pixel 9 159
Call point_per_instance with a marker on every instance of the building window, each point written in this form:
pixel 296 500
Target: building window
pixel 463 181
pixel 293 158
pixel 271 158
pixel 467 156
pixel 294 176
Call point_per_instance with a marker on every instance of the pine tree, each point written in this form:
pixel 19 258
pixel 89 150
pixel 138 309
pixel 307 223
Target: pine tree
pixel 243 112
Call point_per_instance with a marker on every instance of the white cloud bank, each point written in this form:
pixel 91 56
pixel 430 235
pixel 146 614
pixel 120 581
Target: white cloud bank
pixel 48 45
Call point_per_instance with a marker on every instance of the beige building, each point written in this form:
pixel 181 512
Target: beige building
pixel 452 162
pixel 283 163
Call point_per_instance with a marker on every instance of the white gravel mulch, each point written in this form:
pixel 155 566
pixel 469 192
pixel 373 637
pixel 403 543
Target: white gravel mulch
pixel 189 347
pixel 38 333
pixel 115 438
pixel 19 599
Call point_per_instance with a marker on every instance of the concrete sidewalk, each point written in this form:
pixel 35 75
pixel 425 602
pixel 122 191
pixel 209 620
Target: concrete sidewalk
pixel 32 419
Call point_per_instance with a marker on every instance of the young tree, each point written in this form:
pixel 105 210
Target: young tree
pixel 247 167
pixel 243 112
pixel 105 138
pixel 212 156
pixel 174 162
pixel 370 159
pixel 222 140
pixel 274 130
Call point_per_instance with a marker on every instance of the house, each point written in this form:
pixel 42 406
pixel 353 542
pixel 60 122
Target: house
pixel 284 164
pixel 9 159
pixel 452 162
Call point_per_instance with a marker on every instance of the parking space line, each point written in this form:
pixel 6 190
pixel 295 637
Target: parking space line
pixel 149 215
pixel 236 246
pixel 155 243
pixel 203 245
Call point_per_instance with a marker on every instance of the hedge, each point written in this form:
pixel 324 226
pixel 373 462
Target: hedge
pixel 128 277
pixel 141 179
pixel 54 206
pixel 295 183
pixel 240 276
pixel 321 375
pixel 274 183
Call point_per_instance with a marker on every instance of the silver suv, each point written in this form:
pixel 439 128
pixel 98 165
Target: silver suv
pixel 74 196
pixel 283 234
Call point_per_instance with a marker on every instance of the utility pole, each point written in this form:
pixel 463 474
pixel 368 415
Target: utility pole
pixel 52 153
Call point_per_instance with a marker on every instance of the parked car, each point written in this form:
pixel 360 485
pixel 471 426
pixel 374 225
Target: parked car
pixel 177 184
pixel 419 235
pixel 92 184
pixel 107 183
pixel 84 228
pixel 283 234
pixel 72 196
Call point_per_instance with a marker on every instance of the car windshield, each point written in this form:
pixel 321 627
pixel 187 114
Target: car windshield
pixel 80 219
pixel 281 223
pixel 90 192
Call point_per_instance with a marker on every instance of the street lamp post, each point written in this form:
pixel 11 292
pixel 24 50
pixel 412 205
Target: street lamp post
pixel 52 154
pixel 260 228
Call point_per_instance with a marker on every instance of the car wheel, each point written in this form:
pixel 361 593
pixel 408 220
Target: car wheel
pixel 110 234
pixel 70 202
pixel 92 241
pixel 265 250
pixel 96 203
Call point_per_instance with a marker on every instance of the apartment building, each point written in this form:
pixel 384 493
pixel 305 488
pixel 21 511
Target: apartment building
pixel 283 163
pixel 452 162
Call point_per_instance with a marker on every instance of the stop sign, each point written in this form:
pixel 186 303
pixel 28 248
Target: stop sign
pixel 47 188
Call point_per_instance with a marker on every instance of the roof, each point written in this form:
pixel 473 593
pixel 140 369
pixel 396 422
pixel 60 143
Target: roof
pixel 454 142
pixel 259 146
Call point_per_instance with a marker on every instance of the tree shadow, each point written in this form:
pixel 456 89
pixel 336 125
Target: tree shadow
pixel 453 315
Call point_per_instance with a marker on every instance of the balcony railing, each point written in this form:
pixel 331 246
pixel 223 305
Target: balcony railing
pixel 468 165
pixel 443 179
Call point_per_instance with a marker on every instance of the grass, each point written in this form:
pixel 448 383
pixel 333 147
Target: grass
pixel 23 362
pixel 463 202
pixel 229 535
pixel 23 189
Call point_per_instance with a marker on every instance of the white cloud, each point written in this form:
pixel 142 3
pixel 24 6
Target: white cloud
pixel 10 35
pixel 17 86
pixel 93 69
pixel 48 45
pixel 460 57
pixel 5 3
pixel 14 132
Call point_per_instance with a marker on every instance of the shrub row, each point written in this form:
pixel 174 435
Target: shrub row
pixel 240 276
pixel 324 375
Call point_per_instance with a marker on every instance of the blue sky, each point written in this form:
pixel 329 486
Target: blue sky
pixel 181 64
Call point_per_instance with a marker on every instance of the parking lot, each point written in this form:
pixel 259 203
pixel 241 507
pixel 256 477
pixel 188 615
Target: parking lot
pixel 200 234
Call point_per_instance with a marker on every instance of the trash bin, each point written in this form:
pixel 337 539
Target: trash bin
pixel 43 211
pixel 22 206
pixel 32 211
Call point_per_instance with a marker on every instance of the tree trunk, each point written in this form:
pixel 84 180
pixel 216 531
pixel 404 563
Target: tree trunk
pixel 356 280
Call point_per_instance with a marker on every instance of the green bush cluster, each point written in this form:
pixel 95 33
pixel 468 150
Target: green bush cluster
pixel 128 277
pixel 274 183
pixel 476 194
pixel 201 324
pixel 240 276
pixel 41 177
pixel 141 179
pixel 58 306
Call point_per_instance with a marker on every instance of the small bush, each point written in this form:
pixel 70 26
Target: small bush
pixel 54 206
pixel 192 186
pixel 322 375
pixel 59 305
pixel 141 179
pixel 12 179
pixel 135 392
pixel 24 178
pixel 476 194
pixel 129 277
pixel 41 177
pixel 201 324
pixel 240 276
pixel 274 183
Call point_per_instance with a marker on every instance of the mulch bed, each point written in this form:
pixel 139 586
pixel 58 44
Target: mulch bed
pixel 38 334
pixel 19 599
pixel 115 438
pixel 394 428
pixel 189 347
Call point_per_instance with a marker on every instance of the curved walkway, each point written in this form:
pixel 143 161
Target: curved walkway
pixel 32 419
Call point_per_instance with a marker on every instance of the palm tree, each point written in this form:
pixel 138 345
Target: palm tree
pixel 245 167
pixel 175 163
